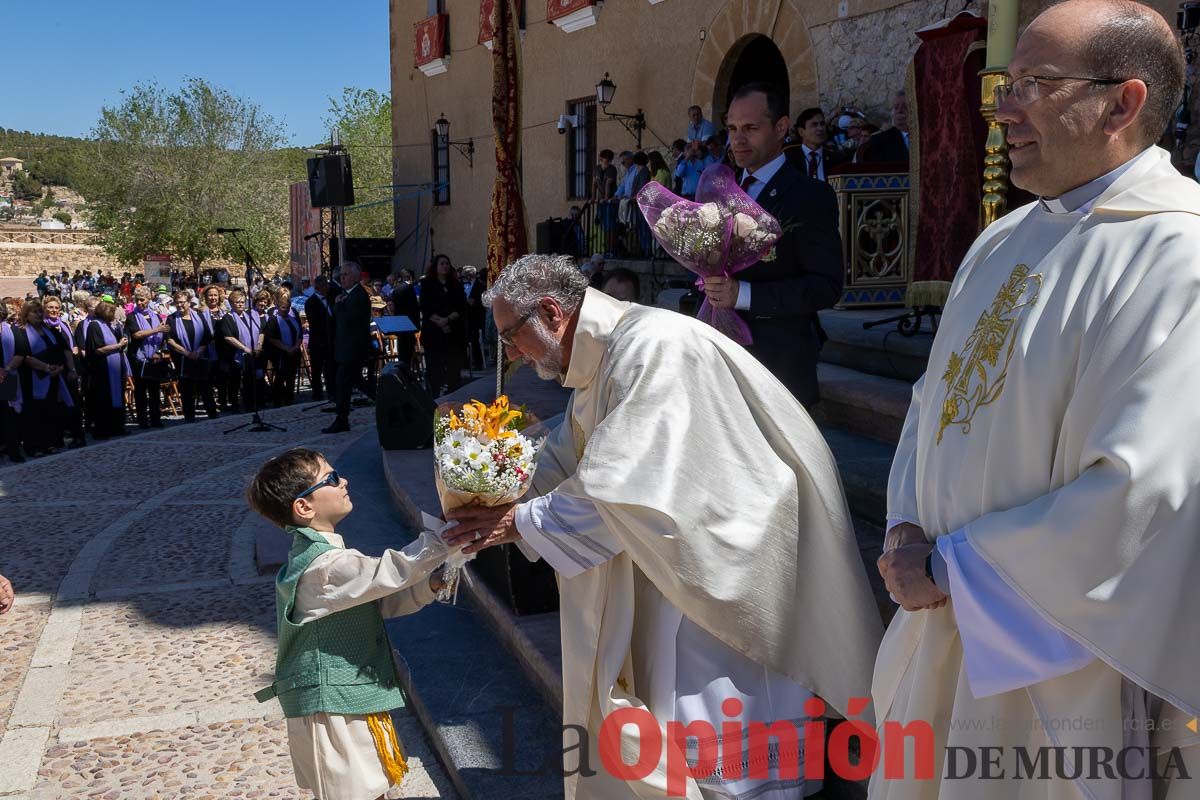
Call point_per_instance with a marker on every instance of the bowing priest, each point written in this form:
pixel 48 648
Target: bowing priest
pixel 702 542
pixel 1044 501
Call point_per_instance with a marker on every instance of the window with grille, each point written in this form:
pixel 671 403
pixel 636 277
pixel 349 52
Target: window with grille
pixel 581 148
pixel 441 168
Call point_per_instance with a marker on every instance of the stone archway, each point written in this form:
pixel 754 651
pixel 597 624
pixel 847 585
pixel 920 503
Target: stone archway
pixel 737 27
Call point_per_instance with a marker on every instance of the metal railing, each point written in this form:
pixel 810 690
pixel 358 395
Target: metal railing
pixel 602 227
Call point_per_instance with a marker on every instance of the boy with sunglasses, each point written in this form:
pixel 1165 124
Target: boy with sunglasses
pixel 334 674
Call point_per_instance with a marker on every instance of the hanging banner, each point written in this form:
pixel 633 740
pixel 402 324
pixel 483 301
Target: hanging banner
pixel 561 8
pixel 429 39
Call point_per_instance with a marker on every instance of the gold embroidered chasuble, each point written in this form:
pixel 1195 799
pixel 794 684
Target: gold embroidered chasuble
pixel 1054 427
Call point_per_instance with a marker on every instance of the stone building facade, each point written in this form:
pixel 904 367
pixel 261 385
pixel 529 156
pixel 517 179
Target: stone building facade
pixel 663 56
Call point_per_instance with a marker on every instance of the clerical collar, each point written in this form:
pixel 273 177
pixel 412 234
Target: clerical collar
pixel 598 316
pixel 767 171
pixel 1081 199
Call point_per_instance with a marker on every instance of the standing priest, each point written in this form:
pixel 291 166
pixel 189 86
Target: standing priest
pixel 1048 475
pixel 696 520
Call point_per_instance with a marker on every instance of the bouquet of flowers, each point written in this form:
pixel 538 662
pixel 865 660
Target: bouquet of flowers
pixel 483 455
pixel 722 232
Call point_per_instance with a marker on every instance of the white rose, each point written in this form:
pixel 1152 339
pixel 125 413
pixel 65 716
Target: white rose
pixel 744 225
pixel 710 215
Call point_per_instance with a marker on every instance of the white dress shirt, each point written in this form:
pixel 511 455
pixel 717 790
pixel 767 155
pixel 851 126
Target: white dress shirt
pixel 762 176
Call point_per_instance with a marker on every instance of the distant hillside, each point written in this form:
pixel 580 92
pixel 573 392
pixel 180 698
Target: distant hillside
pixel 52 160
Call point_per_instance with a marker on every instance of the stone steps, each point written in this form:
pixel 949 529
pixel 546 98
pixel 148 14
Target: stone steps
pixel 861 403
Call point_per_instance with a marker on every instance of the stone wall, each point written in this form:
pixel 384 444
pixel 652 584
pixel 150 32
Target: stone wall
pixel 18 260
pixel 863 61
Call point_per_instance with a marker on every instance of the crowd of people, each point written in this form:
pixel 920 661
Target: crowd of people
pixel 84 354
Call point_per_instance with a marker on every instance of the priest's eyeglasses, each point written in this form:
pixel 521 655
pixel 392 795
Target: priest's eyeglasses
pixel 332 479
pixel 1026 90
pixel 506 337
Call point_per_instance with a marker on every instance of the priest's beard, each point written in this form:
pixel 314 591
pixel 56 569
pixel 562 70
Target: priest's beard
pixel 550 366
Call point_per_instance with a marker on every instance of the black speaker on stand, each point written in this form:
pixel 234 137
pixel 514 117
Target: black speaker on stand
pixel 330 181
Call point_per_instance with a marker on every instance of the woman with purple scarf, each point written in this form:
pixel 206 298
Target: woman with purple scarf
pixel 10 388
pixel 242 331
pixel 107 367
pixel 46 365
pixel 191 339
pixel 282 334
pixel 146 332
pixel 53 318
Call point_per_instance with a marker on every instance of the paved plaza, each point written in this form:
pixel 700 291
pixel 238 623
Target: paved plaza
pixel 142 627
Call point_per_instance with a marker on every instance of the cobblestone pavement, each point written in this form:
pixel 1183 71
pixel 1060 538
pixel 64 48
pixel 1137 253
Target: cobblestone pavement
pixel 142 628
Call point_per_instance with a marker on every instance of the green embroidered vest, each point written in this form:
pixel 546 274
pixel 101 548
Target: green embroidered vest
pixel 339 664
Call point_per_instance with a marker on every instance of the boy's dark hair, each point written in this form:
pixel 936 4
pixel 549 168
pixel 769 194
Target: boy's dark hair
pixel 278 481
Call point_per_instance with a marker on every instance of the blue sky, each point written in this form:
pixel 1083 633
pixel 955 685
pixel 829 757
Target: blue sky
pixel 65 59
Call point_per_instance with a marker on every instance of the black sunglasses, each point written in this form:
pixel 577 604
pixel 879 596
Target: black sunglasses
pixel 332 479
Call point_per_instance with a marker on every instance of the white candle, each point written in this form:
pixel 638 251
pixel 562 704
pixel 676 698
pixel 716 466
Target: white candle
pixel 1002 32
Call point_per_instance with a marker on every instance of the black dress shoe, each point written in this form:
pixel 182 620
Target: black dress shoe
pixel 339 425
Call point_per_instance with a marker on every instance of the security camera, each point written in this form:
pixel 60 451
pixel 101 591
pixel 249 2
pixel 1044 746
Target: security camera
pixel 565 121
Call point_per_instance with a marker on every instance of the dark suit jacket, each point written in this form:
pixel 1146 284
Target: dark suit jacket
pixel 476 311
pixel 352 326
pixel 805 275
pixel 320 325
pixel 885 147
pixel 832 157
pixel 404 298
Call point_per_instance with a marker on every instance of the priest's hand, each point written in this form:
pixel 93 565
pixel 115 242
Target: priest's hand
pixel 480 527
pixel 903 534
pixel 903 571
pixel 722 292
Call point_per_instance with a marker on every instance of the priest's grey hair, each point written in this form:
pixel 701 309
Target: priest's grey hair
pixel 530 278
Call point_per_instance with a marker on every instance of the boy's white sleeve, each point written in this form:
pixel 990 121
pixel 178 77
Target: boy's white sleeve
pixel 408 601
pixel 341 579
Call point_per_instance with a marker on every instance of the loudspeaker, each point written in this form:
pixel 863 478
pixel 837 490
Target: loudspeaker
pixel 404 410
pixel 550 234
pixel 527 587
pixel 330 182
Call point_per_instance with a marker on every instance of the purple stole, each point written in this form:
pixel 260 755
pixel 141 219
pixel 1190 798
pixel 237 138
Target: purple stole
pixel 190 343
pixel 41 383
pixel 63 328
pixel 287 334
pixel 150 344
pixel 212 329
pixel 8 347
pixel 248 325
pixel 116 363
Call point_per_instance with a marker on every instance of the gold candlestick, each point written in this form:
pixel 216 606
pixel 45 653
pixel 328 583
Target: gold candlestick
pixel 995 160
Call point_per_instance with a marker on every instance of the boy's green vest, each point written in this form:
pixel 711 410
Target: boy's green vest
pixel 338 664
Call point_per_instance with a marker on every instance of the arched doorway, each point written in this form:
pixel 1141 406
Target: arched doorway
pixel 752 58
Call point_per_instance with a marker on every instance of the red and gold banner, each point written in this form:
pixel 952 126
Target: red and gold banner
pixel 429 39
pixel 506 226
pixel 487 18
pixel 561 8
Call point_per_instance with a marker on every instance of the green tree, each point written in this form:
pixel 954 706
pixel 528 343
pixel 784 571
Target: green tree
pixel 26 187
pixel 63 217
pixel 168 168
pixel 363 118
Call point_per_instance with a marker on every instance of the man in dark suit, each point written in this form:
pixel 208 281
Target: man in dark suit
pixel 318 310
pixel 779 296
pixel 351 341
pixel 473 288
pixel 889 146
pixel 811 153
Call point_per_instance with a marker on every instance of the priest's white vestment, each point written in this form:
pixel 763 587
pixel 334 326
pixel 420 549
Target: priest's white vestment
pixel 1052 443
pixel 705 516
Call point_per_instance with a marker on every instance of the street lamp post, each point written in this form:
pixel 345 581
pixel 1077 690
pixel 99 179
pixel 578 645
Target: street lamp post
pixel 466 148
pixel 634 123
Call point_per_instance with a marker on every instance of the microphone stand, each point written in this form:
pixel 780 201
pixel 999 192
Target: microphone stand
pixel 256 424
